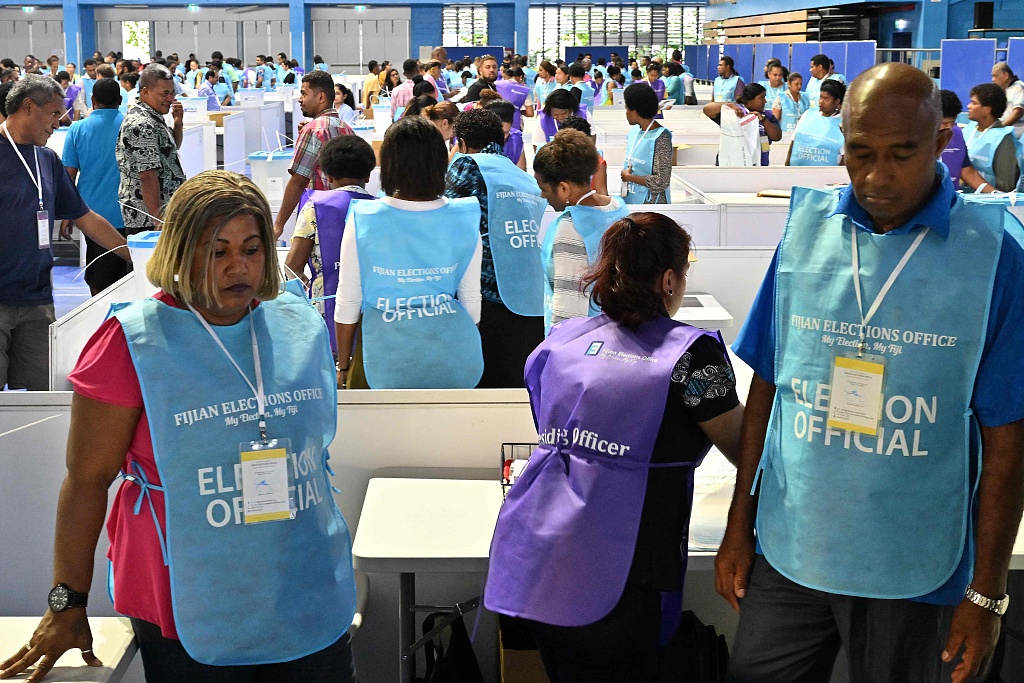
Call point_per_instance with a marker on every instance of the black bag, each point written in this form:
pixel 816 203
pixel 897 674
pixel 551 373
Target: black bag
pixel 449 652
pixel 696 654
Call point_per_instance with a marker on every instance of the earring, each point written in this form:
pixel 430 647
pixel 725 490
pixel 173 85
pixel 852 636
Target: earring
pixel 670 292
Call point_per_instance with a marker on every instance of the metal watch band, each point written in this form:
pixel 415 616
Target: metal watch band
pixel 997 605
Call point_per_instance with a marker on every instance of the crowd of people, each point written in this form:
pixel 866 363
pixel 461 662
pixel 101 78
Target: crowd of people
pixel 444 280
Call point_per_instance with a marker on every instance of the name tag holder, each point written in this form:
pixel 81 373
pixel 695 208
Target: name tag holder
pixel 268 483
pixel 858 392
pixel 858 378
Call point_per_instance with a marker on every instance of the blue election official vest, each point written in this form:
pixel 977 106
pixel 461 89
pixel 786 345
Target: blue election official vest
pixel 244 593
pixel 514 212
pixel 587 90
pixel 590 222
pixel 771 93
pixel 813 91
pixel 982 146
pixel 886 516
pixel 640 155
pixel 817 140
pixel 416 335
pixel 331 207
pixel 792 111
pixel 725 88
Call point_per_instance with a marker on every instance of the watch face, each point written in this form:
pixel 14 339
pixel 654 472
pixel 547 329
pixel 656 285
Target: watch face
pixel 59 598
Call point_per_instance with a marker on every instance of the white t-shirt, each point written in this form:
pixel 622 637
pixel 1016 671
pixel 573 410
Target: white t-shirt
pixel 348 304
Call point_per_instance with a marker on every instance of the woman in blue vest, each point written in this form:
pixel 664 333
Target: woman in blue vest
pixel 590 545
pixel 674 83
pixel 818 138
pixel 195 75
pixel 992 150
pixel 563 169
pixel 545 82
pixel 347 161
pixel 511 274
pixel 775 82
pixel 647 168
pixel 220 432
pixel 791 104
pixel 410 273
pixel 728 85
pixel 752 101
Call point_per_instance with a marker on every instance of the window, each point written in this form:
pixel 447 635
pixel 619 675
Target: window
pixel 464 25
pixel 648 29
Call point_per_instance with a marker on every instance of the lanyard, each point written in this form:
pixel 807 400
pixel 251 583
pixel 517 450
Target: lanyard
pixel 629 157
pixel 37 179
pixel 257 390
pixel 855 253
pixel 589 194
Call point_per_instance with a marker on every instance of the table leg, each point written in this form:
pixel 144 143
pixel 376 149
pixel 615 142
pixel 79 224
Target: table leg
pixel 406 627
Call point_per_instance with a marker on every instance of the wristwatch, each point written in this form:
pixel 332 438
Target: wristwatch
pixel 997 605
pixel 63 598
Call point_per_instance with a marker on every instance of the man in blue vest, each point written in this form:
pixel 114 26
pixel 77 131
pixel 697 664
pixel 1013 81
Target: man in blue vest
pixel 511 277
pixel 890 482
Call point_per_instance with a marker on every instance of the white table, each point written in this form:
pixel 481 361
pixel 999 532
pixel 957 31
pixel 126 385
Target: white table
pixel 703 310
pixel 113 642
pixel 424 525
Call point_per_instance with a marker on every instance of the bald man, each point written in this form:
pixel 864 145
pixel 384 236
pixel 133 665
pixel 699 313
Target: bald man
pixel 885 343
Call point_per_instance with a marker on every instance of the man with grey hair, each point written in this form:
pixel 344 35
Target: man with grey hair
pixel 36 191
pixel 1003 76
pixel 147 152
pixel 887 484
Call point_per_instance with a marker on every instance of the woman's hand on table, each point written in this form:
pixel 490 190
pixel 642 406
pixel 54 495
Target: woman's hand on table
pixel 56 634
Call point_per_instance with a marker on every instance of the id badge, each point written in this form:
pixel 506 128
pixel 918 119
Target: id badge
pixel 268 482
pixel 858 385
pixel 43 228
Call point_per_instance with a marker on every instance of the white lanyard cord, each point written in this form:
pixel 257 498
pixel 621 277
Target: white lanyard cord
pixel 37 179
pixel 629 157
pixel 855 257
pixel 257 390
pixel 589 194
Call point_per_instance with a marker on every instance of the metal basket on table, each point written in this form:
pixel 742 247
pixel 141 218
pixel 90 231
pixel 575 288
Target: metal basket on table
pixel 510 454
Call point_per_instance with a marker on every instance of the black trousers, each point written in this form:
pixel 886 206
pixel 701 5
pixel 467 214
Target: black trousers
pixel 789 633
pixel 108 269
pixel 166 661
pixel 508 340
pixel 620 648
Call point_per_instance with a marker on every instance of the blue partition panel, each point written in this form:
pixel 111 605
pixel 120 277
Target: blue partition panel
pixel 965 64
pixel 702 62
pixel 745 63
pixel 781 52
pixel 690 58
pixel 732 50
pixel 458 53
pixel 595 52
pixel 801 62
pixel 765 51
pixel 860 56
pixel 1015 55
pixel 836 51
pixel 762 53
pixel 713 58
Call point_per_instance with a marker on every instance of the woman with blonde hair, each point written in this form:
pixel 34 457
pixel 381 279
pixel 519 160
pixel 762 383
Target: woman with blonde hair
pixel 443 116
pixel 184 384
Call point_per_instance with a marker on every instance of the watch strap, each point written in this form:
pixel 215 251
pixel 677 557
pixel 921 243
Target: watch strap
pixel 77 599
pixel 997 605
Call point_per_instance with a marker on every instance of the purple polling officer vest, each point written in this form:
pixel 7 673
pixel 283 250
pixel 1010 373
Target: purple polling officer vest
pixel 565 537
pixel 69 98
pixel 513 146
pixel 954 156
pixel 550 126
pixel 331 208
pixel 515 93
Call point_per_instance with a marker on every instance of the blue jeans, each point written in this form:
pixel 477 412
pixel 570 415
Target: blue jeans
pixel 166 661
